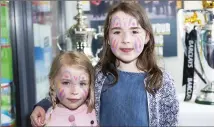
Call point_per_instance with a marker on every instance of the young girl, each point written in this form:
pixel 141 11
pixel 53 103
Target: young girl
pixel 130 88
pixel 71 91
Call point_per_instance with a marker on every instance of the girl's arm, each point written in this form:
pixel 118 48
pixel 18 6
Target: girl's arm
pixel 168 104
pixel 38 114
pixel 45 104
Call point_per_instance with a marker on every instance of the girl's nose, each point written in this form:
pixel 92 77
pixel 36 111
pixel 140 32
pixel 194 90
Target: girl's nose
pixel 126 37
pixel 74 93
pixel 73 90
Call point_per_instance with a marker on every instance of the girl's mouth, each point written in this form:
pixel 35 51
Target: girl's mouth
pixel 126 50
pixel 73 100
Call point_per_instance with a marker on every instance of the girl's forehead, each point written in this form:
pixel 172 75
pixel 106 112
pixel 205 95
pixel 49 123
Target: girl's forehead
pixel 74 70
pixel 123 16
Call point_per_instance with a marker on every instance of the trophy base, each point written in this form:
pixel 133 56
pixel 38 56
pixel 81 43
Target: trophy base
pixel 206 96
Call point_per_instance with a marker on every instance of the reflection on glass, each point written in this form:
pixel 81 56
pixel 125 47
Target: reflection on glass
pixel 45 21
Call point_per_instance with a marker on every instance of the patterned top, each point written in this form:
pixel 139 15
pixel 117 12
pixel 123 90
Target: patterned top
pixel 163 107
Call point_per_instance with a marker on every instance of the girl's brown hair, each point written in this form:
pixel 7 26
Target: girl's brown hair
pixel 72 58
pixel 146 60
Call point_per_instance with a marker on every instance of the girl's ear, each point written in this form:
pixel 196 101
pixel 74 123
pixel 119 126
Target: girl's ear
pixel 147 38
pixel 108 42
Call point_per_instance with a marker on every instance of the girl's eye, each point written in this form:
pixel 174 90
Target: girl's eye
pixel 135 32
pixel 116 32
pixel 82 84
pixel 65 83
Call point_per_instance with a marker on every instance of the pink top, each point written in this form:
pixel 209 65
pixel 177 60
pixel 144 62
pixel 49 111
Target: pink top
pixel 65 117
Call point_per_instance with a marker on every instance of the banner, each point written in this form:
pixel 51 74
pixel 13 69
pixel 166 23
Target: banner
pixel 189 58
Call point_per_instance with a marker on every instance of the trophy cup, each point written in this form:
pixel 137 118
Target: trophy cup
pixel 81 36
pixel 207 43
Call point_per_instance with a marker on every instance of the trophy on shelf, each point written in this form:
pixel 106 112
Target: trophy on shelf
pixel 207 43
pixel 81 36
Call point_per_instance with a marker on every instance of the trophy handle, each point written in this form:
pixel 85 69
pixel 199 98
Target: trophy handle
pixel 204 76
pixel 59 47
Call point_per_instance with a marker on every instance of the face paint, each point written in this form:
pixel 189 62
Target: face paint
pixel 138 44
pixel 125 22
pixel 133 24
pixel 82 77
pixel 75 78
pixel 114 44
pixel 61 94
pixel 60 91
pixel 116 22
pixel 85 93
pixel 130 20
pixel 66 75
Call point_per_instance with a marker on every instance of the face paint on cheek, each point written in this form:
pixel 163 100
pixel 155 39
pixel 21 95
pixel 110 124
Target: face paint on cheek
pixel 59 91
pixel 85 93
pixel 140 42
pixel 114 45
pixel 61 94
pixel 138 45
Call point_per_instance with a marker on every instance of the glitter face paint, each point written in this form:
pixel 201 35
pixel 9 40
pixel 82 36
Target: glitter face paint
pixel 60 91
pixel 124 22
pixel 138 45
pixel 61 94
pixel 114 44
pixel 116 22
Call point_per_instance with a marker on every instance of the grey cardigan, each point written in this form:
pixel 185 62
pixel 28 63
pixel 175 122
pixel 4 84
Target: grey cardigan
pixel 163 107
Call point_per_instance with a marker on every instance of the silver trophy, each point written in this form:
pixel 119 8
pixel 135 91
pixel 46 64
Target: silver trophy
pixel 81 35
pixel 207 43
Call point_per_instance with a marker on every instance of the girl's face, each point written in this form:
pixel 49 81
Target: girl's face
pixel 72 86
pixel 126 37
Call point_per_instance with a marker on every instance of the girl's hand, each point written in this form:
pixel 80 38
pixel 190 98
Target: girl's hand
pixel 38 117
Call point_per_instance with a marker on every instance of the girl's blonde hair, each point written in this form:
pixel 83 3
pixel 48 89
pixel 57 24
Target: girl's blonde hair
pixel 71 58
pixel 146 60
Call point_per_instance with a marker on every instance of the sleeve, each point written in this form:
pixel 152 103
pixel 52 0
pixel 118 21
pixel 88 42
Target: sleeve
pixel 45 104
pixel 168 104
